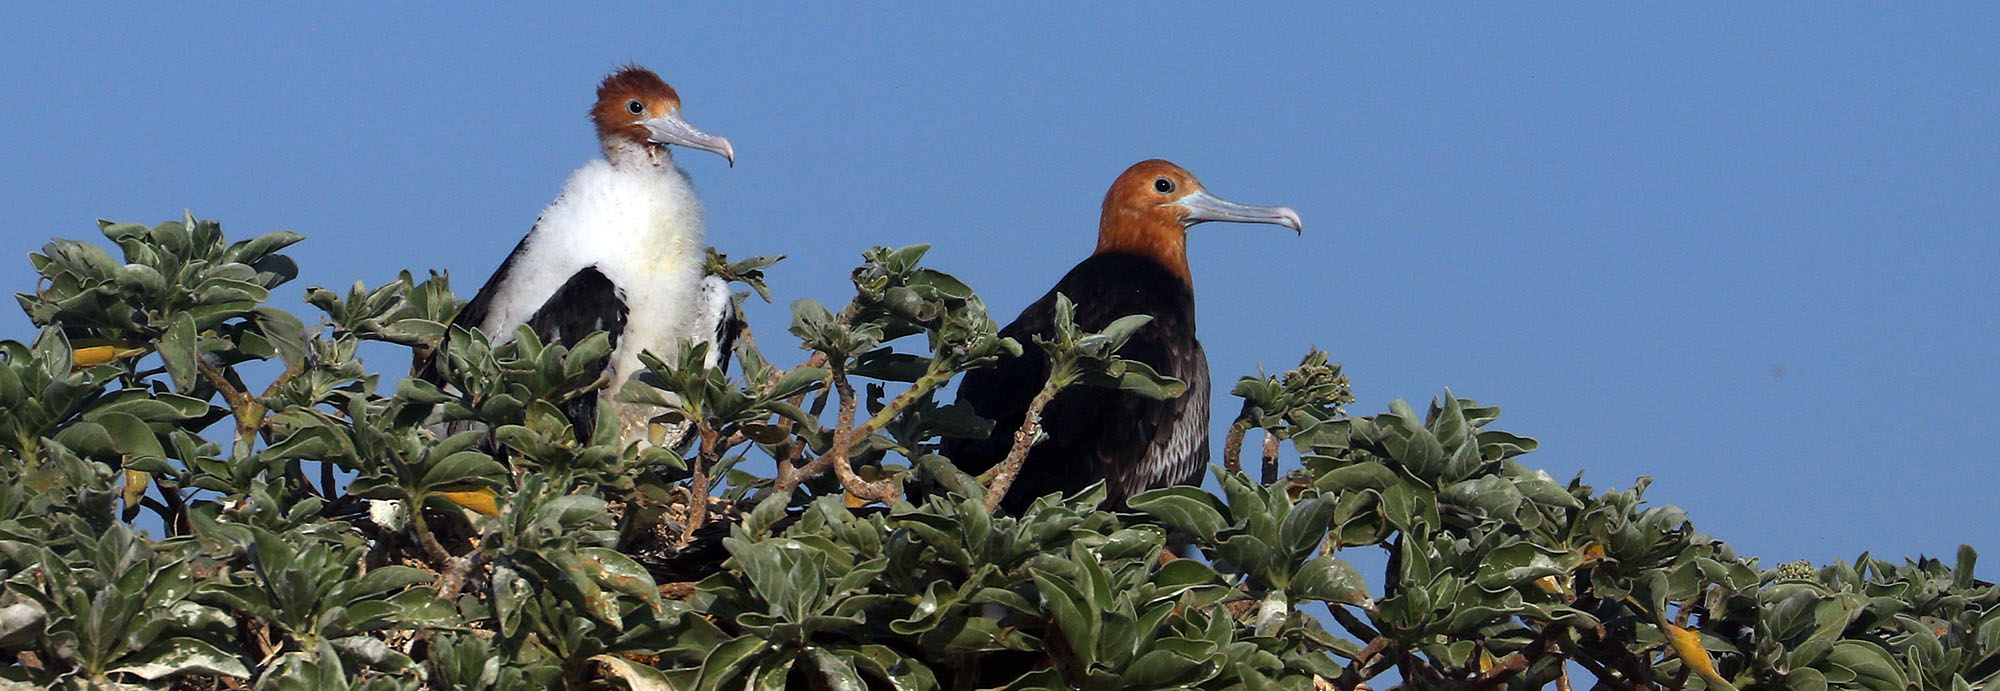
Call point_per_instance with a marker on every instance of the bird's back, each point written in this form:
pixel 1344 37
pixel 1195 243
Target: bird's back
pixel 1132 442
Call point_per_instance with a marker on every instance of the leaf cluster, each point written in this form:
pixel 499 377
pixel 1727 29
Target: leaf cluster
pixel 166 524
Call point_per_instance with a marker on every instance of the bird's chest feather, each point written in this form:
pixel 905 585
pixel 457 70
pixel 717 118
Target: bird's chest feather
pixel 641 228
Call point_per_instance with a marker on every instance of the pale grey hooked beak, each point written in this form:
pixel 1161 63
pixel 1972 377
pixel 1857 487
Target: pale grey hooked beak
pixel 671 129
pixel 1203 207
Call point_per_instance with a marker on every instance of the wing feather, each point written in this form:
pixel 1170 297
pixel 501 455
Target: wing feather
pixel 588 302
pixel 1132 442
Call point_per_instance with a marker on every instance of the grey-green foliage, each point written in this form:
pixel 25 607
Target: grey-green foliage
pixel 310 531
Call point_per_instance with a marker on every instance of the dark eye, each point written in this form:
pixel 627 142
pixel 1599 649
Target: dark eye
pixel 635 106
pixel 1164 186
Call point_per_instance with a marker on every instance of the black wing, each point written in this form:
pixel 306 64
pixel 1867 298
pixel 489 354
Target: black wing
pixel 471 315
pixel 1133 442
pixel 722 319
pixel 586 303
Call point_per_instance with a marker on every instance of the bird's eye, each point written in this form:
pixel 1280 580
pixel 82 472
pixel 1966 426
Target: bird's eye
pixel 1164 186
pixel 635 106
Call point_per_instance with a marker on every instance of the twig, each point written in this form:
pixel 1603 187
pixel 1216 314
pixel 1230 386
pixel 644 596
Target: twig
pixel 1353 624
pixel 1232 446
pixel 1024 438
pixel 698 491
pixel 171 508
pixel 1625 671
pixel 290 371
pixel 1370 663
pixel 845 433
pixel 327 480
pixel 1604 675
pixel 457 571
pixel 790 474
pixel 166 514
pixel 249 414
pixel 1417 672
pixel 425 539
pixel 1516 662
pixel 1270 457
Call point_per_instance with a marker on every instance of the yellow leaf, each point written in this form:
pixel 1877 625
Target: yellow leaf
pixel 103 352
pixel 1550 584
pixel 481 501
pixel 867 473
pixel 1687 645
pixel 136 482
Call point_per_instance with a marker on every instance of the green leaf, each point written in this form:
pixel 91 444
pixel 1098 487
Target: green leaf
pixel 1188 508
pixel 177 352
pixel 464 467
pixel 619 573
pixel 933 284
pixel 253 249
pixel 730 660
pixel 796 382
pixel 903 672
pixel 1330 579
pixel 636 676
pixel 1161 669
pixel 183 656
pixel 130 435
pixel 1140 378
pixel 837 673
pixel 1865 665
pixel 1358 476
pixel 1072 612
pixel 1303 528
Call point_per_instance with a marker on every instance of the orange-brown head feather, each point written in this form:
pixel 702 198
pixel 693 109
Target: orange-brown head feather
pixel 1150 206
pixel 631 94
pixel 1139 218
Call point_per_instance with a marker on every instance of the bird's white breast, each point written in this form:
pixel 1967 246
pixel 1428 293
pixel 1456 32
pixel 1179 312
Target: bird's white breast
pixel 641 226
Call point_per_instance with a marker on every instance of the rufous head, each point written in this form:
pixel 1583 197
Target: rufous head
pixel 1153 203
pixel 634 106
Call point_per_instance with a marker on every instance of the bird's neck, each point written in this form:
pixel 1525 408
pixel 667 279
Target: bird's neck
pixel 626 154
pixel 1162 243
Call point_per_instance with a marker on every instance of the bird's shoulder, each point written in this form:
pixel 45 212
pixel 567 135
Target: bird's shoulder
pixel 1108 286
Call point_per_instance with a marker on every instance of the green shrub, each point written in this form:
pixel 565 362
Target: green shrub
pixel 459 536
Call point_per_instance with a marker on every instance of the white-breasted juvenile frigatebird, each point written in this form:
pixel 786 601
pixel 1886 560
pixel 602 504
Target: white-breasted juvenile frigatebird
pixel 620 250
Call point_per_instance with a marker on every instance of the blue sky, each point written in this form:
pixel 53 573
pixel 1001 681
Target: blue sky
pixel 1750 251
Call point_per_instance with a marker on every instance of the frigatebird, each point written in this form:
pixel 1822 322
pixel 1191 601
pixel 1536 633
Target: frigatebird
pixel 619 250
pixel 1129 441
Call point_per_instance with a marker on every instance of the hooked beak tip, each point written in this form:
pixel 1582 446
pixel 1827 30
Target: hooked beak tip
pixel 1290 219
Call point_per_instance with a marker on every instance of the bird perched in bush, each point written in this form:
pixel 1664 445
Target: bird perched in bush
pixel 621 251
pixel 1130 441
